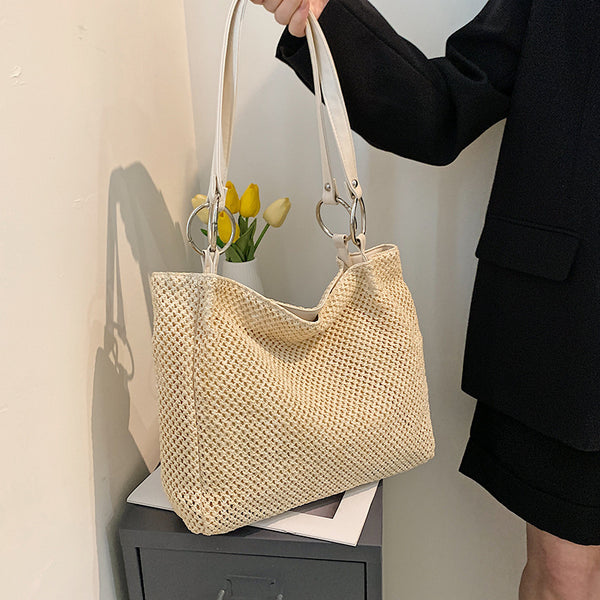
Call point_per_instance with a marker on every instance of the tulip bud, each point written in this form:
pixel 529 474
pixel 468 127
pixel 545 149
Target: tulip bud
pixel 224 227
pixel 197 201
pixel 250 201
pixel 277 211
pixel 232 200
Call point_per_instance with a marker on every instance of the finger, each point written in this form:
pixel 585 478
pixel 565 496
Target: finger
pixel 272 5
pixel 286 9
pixel 257 1
pixel 297 24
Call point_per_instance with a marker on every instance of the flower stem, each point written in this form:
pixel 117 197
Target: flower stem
pixel 260 237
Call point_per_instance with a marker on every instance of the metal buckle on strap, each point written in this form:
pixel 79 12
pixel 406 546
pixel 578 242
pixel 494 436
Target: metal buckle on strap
pixel 212 228
pixel 353 235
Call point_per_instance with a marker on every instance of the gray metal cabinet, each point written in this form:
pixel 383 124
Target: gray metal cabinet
pixel 164 561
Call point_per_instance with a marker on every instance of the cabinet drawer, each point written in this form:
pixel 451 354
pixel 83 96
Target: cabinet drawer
pixel 184 575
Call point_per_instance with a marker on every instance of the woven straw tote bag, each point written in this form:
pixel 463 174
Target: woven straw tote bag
pixel 263 405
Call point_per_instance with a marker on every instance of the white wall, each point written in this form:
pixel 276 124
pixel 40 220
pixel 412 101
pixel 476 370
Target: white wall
pixel 97 163
pixel 444 536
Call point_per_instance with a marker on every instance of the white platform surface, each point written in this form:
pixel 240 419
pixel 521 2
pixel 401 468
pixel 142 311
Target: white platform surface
pixel 344 527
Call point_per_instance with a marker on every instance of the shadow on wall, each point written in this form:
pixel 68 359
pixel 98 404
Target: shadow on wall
pixel 141 238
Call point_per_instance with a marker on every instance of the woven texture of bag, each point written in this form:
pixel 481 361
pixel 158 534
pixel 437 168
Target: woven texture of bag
pixel 262 411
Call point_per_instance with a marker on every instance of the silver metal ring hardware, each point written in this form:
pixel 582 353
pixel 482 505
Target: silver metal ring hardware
pixel 363 219
pixel 352 213
pixel 354 184
pixel 213 245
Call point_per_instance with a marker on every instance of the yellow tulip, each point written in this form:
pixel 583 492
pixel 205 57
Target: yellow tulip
pixel 197 201
pixel 232 200
pixel 277 211
pixel 224 226
pixel 250 201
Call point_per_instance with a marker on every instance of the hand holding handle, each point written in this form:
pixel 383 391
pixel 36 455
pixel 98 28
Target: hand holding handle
pixel 289 13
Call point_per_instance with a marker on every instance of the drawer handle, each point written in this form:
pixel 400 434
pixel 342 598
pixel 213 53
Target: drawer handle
pixel 221 596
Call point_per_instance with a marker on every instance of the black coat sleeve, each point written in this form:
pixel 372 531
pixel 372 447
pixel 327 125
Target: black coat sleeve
pixel 399 100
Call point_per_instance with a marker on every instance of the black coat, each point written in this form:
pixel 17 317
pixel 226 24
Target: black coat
pixel 533 337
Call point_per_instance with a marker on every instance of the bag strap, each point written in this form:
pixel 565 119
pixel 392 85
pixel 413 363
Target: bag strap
pixel 327 88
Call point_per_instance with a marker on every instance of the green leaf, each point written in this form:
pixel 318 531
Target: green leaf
pixel 245 241
pixel 233 254
pixel 242 224
pixel 252 246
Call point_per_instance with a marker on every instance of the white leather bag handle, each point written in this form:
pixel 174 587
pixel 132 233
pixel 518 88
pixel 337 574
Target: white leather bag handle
pixel 326 82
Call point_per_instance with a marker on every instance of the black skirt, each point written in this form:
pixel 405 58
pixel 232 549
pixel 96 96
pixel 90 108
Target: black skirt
pixel 551 485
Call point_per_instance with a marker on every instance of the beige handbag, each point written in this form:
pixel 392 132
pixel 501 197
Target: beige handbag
pixel 266 406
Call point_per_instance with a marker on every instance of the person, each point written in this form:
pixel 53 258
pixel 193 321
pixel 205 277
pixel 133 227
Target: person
pixel 532 354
